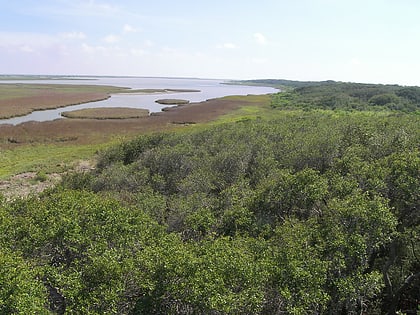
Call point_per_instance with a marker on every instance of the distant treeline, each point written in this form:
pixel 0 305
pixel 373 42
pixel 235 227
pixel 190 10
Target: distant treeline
pixel 349 96
pixel 278 83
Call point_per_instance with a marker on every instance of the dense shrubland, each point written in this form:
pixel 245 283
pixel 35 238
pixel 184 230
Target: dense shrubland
pixel 350 96
pixel 304 212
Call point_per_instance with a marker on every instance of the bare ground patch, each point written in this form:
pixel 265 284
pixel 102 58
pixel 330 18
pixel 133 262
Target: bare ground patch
pixel 25 184
pixel 29 183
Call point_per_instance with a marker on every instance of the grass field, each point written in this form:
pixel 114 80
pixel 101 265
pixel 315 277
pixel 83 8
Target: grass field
pixel 44 158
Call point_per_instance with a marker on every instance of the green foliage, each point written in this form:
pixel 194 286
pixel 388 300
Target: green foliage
pixel 85 244
pixel 411 93
pixel 403 181
pixel 349 96
pixel 41 176
pixel 300 275
pixel 355 229
pixel 347 179
pixel 284 84
pixel 211 276
pixel 21 291
pixel 384 99
pixel 304 212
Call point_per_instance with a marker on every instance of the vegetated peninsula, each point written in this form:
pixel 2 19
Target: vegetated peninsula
pixel 281 83
pixel 300 202
pixel 107 113
pixel 172 101
pixel 21 99
pixel 341 95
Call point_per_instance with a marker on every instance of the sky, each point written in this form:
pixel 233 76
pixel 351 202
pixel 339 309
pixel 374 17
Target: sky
pixel 367 41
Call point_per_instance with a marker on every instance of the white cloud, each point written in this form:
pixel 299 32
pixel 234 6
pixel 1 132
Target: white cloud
pixel 130 29
pixel 259 61
pixel 89 49
pixel 137 52
pixel 95 5
pixel 81 7
pixel 98 51
pixel 229 46
pixel 260 38
pixel 148 43
pixel 74 35
pixel 26 49
pixel 25 42
pixel 111 39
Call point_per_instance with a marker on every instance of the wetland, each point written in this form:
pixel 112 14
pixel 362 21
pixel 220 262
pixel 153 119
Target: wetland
pixel 45 99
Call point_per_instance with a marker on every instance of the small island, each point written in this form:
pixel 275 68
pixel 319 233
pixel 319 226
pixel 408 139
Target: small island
pixel 170 101
pixel 157 91
pixel 107 113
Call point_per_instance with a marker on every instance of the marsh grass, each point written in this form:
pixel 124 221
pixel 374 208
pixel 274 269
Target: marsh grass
pixel 107 113
pixel 22 99
pixel 172 101
pixel 252 107
pixel 41 176
pixel 156 91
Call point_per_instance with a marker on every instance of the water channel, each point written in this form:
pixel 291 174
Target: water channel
pixel 209 88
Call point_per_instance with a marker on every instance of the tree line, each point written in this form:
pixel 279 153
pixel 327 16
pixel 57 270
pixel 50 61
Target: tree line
pixel 349 96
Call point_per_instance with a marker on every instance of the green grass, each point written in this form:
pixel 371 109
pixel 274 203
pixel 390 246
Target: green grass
pixel 253 106
pixel 44 158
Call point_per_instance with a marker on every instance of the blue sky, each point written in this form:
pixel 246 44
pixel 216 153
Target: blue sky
pixel 374 41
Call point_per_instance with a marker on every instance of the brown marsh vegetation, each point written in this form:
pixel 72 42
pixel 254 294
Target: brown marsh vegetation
pixel 172 101
pixel 22 99
pixel 107 113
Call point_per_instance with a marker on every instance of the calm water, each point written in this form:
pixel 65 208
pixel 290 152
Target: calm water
pixel 208 89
